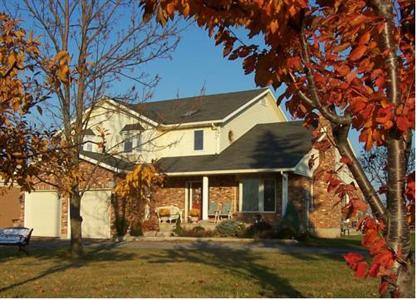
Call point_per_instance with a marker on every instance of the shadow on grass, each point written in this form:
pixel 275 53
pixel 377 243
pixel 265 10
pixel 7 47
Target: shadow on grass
pixel 242 263
pixel 62 259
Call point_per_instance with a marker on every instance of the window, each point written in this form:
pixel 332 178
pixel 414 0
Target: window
pixel 198 139
pixel 258 195
pixel 132 143
pixel 128 145
pixel 88 147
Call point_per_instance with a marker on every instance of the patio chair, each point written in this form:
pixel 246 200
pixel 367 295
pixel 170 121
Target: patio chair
pixel 169 213
pixel 345 226
pixel 226 210
pixel 214 211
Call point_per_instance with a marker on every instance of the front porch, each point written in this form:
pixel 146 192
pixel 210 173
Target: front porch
pixel 205 200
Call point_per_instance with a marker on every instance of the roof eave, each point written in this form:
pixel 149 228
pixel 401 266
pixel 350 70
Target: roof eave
pixel 224 172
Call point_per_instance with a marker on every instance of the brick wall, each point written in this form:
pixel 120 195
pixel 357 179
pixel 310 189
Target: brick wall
pixel 299 188
pixel 172 193
pixel 324 215
pixel 224 188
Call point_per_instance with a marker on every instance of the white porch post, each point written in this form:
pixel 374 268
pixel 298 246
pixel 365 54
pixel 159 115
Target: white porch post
pixel 284 192
pixel 205 197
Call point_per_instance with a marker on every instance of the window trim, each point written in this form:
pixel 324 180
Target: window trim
pixel 202 139
pixel 261 196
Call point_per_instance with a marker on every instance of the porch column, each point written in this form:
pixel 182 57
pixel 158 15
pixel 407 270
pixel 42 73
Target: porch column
pixel 284 192
pixel 205 197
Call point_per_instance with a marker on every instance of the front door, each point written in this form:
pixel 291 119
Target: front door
pixel 194 198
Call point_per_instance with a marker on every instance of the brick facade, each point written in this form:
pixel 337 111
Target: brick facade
pixel 324 214
pixel 299 191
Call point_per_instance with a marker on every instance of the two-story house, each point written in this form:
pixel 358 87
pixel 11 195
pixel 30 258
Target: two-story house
pixel 233 149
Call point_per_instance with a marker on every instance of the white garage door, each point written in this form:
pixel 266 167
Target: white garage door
pixel 42 213
pixel 95 211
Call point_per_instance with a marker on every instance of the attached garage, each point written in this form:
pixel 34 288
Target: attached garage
pixel 42 213
pixel 95 211
pixel 9 206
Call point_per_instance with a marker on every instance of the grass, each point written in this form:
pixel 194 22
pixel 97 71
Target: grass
pixel 342 242
pixel 130 272
pixel 352 241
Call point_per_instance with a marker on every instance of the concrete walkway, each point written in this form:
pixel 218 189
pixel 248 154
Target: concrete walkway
pixel 280 246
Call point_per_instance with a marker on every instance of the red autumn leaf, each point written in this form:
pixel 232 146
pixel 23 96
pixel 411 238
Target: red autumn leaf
pixel 342 69
pixel 345 160
pixel 357 53
pixel 365 38
pixel 402 123
pixel 353 258
pixel 294 62
pixel 333 184
pixel 383 287
pixel 410 189
pixel 351 76
pixel 361 269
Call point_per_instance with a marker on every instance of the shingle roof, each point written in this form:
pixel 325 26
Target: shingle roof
pixel 265 146
pixel 195 109
pixel 109 160
pixel 130 127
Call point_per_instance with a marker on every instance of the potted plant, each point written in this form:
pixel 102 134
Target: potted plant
pixel 194 215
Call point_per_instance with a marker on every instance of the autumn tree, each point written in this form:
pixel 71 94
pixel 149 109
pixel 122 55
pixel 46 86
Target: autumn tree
pixel 21 144
pixel 133 194
pixel 98 48
pixel 351 62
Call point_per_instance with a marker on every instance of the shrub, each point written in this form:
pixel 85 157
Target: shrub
pixel 230 228
pixel 136 230
pixel 289 227
pixel 198 231
pixel 179 231
pixel 260 229
pixel 121 225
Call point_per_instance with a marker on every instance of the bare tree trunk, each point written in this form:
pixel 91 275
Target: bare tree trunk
pixel 398 232
pixel 76 221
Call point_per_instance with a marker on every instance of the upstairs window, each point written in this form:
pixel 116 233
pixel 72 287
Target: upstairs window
pixel 88 147
pixel 132 137
pixel 132 143
pixel 89 139
pixel 128 145
pixel 198 139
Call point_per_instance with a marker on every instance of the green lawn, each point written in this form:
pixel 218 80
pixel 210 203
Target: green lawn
pixel 352 242
pixel 114 272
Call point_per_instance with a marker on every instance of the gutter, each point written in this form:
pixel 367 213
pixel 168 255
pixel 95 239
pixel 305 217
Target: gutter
pixel 217 172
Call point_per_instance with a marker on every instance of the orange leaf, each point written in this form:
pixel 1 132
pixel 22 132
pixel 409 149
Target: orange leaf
pixel 357 53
